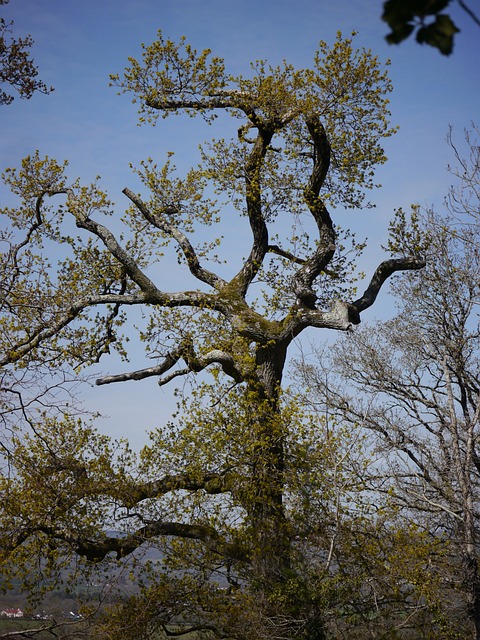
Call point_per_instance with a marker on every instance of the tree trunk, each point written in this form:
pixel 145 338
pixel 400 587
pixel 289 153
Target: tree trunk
pixel 271 553
pixel 472 587
pixel 271 529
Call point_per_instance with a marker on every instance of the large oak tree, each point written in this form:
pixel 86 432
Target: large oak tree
pixel 218 490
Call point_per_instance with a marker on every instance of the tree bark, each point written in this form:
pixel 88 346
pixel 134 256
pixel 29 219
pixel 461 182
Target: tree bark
pixel 271 547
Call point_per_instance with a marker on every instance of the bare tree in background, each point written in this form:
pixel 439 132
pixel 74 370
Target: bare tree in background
pixel 414 382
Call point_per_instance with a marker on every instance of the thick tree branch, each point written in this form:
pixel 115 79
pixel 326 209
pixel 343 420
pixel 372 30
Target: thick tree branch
pixel 167 227
pixel 199 104
pixel 97 550
pixel 384 271
pixel 341 317
pixel 113 246
pixel 140 374
pixel 254 209
pixel 211 483
pixel 65 317
pixel 203 101
pixel 178 373
pixel 215 356
pixel 325 250
pixel 177 529
pixel 195 364
pixel 193 629
pixel 155 295
pixel 226 99
pixel 149 292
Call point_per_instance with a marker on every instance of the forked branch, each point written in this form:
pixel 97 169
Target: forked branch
pixel 160 222
pixel 194 363
pixel 325 250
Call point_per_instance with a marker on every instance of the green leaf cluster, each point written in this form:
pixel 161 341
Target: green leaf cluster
pixel 433 27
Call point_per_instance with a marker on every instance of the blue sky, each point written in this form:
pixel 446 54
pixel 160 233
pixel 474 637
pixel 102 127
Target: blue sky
pixel 77 46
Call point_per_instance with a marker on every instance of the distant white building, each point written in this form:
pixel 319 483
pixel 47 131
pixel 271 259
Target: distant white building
pixel 11 613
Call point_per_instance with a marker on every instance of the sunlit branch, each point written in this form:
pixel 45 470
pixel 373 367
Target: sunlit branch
pixel 215 356
pixel 178 373
pixel 436 505
pixel 140 374
pixel 341 317
pixel 226 99
pixel 195 364
pixel 200 104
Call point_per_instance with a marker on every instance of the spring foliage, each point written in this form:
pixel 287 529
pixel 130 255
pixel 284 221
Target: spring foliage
pixel 251 502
